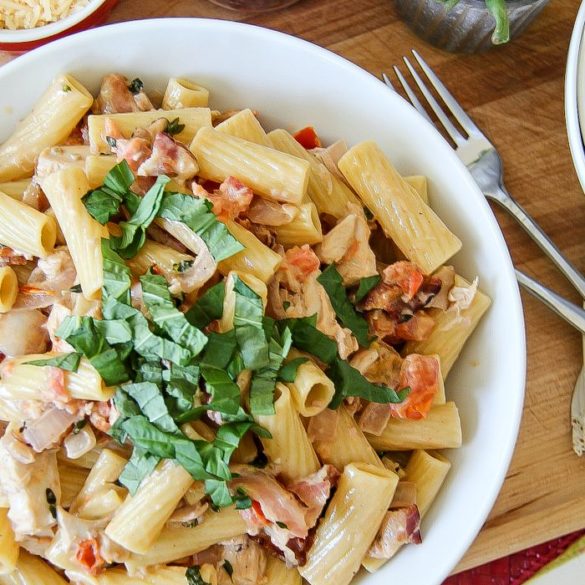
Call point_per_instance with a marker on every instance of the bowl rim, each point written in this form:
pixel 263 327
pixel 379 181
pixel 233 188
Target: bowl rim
pixel 576 139
pixel 46 31
pixel 517 377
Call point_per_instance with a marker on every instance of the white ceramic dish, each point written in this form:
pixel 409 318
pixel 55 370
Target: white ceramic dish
pixel 293 83
pixel 575 95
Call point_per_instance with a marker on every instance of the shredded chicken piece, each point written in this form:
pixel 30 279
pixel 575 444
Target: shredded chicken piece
pixel 248 561
pixel 116 97
pixel 399 527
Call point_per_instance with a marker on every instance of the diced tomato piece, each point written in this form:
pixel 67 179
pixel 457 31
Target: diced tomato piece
pixel 89 556
pixel 308 138
pixel 258 511
pixel 406 275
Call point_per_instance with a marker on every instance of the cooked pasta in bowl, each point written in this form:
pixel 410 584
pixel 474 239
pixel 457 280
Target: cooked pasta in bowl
pixel 252 330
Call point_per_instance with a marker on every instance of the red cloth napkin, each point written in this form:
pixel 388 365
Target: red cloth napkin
pixel 517 568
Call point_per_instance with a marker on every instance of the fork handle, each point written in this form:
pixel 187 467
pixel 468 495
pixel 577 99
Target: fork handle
pixel 535 232
pixel 571 313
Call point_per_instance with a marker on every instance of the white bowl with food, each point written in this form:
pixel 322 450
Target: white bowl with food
pixel 575 95
pixel 293 84
pixel 26 25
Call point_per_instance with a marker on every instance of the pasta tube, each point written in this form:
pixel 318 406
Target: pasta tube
pixel 83 234
pixel 25 229
pixel 53 118
pixel 413 226
pixel 245 125
pixel 56 158
pixel 305 228
pixel 419 184
pixel 97 166
pixel 255 258
pixel 441 429
pixel 22 381
pixel 8 546
pixel 15 189
pixel 72 479
pixel 179 542
pixel 325 190
pixel 139 521
pixel 8 288
pixel 352 520
pixel 118 576
pixel 155 254
pixel 289 444
pixel 192 118
pixel 349 445
pixel 270 173
pixel 30 570
pixel 311 390
pixel 182 93
pixel 278 573
pixel 452 329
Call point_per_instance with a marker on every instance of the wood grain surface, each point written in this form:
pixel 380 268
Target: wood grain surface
pixel 515 93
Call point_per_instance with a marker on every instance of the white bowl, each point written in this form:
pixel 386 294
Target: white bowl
pixel 575 95
pixel 293 83
pixel 25 39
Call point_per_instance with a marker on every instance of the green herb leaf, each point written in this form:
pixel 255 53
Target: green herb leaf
pixel 134 231
pixel 183 265
pixel 148 437
pixel 208 308
pixel 249 326
pixel 219 349
pixel 196 214
pixel 227 566
pixel 332 282
pixel 281 525
pixel 51 501
pixel 150 400
pixel 365 286
pixel 140 465
pixel 117 275
pixel 160 305
pixel 194 577
pixel 499 11
pixel 288 372
pixel 224 391
pixel 174 127
pixel 350 382
pixel 307 337
pixel 136 86
pixel 242 499
pixel 78 426
pixel 68 362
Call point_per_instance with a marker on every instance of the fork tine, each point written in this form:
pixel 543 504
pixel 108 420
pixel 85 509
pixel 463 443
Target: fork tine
pixel 411 95
pixel 466 122
pixel 388 82
pixel 455 135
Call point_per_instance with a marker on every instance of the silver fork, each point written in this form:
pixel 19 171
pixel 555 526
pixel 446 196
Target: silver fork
pixel 485 165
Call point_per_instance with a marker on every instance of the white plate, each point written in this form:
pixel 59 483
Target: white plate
pixel 293 83
pixel 575 95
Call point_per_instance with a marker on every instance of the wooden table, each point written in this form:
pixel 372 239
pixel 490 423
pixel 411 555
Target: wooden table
pixel 515 93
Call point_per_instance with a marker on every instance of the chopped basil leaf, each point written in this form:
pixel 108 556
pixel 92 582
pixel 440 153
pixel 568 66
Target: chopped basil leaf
pixel 350 382
pixel 51 501
pixel 249 326
pixel 365 286
pixel 111 141
pixel 196 214
pixel 66 88
pixel 194 577
pixel 174 127
pixel 117 277
pixel 150 400
pixel 332 282
pixel 208 308
pixel 134 230
pixel 243 501
pixel 183 265
pixel 76 289
pixel 136 86
pixel 288 372
pixel 225 393
pixel 281 525
pixel 68 361
pixel 78 426
pixel 307 337
pixel 228 568
pixel 219 349
pixel 167 317
pixel 264 380
pixel 140 465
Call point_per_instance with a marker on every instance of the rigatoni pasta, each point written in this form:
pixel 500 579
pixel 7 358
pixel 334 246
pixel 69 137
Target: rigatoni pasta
pixel 223 352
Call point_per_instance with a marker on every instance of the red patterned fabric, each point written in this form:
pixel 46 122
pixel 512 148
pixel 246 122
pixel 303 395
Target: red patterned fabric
pixel 517 568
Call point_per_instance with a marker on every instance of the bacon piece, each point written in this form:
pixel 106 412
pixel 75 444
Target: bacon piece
pixel 277 504
pixel 230 200
pixel 417 328
pixel 133 150
pixel 116 97
pixel 168 157
pixel 9 257
pixel 398 527
pixel 314 491
pixel 421 374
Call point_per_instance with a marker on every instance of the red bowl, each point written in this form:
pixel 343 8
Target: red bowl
pixel 47 33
